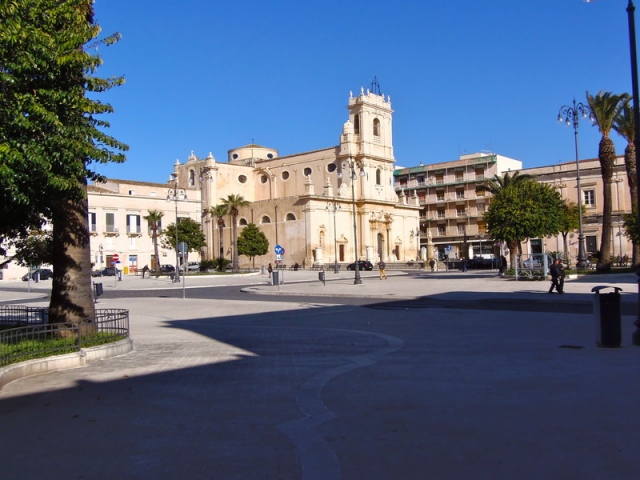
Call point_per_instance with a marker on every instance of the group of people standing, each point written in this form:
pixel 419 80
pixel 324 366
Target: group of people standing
pixel 556 270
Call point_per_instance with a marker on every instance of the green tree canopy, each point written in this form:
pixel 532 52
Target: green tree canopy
pixel 189 231
pixel 50 134
pixel 252 242
pixel 569 222
pixel 523 210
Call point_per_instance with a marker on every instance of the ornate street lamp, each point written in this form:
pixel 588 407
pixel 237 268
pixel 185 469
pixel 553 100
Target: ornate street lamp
pixel 174 195
pixel 571 116
pixel 334 207
pixel 352 167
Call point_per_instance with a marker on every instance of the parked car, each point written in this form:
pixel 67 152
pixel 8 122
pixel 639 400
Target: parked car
pixel 191 267
pixel 110 272
pixel 43 273
pixel 362 265
pixel 168 268
pixel 535 261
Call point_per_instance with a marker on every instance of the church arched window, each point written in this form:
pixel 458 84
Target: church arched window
pixel 376 127
pixel 378 176
pixel 356 124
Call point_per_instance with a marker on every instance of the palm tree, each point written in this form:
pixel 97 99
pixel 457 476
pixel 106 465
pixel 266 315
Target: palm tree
pixel 624 125
pixel 219 211
pixel 154 219
pixel 605 107
pixel 232 203
pixel 496 185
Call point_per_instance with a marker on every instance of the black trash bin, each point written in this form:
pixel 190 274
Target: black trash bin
pixel 276 278
pixel 608 317
pixel 321 276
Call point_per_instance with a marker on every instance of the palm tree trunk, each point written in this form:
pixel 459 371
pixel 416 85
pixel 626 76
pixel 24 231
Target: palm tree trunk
pixel 236 265
pixel 607 157
pixel 71 290
pixel 630 166
pixel 156 253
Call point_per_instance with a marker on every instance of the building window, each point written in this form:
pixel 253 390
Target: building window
pixel 479 174
pixel 441 213
pixel 242 221
pixel 110 221
pixel 481 208
pixel 460 194
pixel 266 219
pixel 269 156
pixel 480 192
pixel 307 172
pixel 589 198
pixel 285 175
pixel 133 223
pixel 331 167
pixel 460 212
pixel 376 127
pixel 263 179
pixel 442 230
pixel 242 178
pixel 290 217
pixel 591 244
pixel 93 227
pixel 440 179
pixel 192 178
pixel 356 124
pixel 440 197
pixel 378 176
pixel 459 176
pixel 461 229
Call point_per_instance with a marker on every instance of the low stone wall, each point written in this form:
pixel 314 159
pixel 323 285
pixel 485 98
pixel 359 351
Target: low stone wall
pixel 63 362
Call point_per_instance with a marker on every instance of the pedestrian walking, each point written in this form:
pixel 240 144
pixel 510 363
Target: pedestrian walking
pixel 554 271
pixel 145 269
pixel 382 266
pixel 432 263
pixel 561 275
pixel 270 270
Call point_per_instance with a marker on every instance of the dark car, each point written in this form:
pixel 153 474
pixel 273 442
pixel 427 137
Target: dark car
pixel 43 274
pixel 167 268
pixel 362 265
pixel 110 272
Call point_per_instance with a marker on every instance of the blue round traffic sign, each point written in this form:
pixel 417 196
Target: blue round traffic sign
pixel 279 250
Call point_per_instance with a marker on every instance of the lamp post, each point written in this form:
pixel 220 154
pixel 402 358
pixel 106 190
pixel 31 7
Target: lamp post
pixel 174 195
pixel 636 120
pixel 352 168
pixel 571 116
pixel 334 207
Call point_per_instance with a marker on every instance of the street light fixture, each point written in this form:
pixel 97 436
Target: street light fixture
pixel 352 167
pixel 334 207
pixel 174 195
pixel 571 116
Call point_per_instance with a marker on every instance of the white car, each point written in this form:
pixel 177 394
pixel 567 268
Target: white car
pixel 532 262
pixel 191 267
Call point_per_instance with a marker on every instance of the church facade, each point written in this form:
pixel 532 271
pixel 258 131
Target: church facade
pixel 323 206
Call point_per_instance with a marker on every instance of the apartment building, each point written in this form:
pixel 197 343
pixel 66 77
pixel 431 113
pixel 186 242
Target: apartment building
pixel 453 204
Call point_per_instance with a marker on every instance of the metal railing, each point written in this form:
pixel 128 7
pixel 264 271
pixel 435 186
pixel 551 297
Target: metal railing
pixel 33 337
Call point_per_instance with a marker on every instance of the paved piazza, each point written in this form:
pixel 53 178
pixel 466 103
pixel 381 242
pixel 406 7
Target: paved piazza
pixel 254 389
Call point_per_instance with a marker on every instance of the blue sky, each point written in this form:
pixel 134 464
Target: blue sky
pixel 463 75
